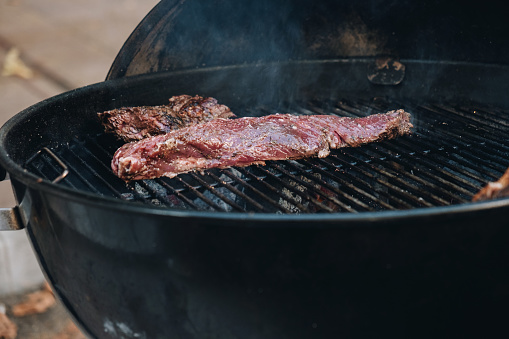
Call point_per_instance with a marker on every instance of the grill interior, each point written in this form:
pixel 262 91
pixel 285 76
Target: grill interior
pixel 455 150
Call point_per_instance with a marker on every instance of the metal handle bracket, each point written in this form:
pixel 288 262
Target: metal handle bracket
pixel 65 169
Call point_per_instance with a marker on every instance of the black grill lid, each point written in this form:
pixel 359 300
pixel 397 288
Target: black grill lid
pixel 184 34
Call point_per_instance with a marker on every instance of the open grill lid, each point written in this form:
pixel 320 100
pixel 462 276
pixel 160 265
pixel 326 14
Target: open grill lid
pixel 187 34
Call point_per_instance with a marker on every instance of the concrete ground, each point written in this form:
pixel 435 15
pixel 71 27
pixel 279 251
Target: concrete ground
pixel 48 47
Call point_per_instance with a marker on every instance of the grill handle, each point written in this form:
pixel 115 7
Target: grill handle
pixel 3 173
pixel 10 219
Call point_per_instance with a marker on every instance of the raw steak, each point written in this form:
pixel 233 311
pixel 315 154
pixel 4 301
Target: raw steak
pixel 223 143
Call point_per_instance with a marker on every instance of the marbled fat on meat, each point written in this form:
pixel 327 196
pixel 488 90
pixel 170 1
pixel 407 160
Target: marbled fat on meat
pixel 241 142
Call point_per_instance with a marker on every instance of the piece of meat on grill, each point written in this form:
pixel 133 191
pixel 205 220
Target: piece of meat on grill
pixel 494 190
pixel 241 142
pixel 137 123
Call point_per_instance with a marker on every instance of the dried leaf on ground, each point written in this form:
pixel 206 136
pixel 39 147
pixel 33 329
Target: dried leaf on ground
pixel 36 302
pixel 14 66
pixel 8 329
pixel 70 332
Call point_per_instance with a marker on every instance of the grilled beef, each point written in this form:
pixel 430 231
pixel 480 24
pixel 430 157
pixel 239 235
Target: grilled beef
pixel 494 190
pixel 223 143
pixel 136 123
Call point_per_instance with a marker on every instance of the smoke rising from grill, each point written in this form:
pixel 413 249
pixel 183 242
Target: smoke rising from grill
pixel 217 33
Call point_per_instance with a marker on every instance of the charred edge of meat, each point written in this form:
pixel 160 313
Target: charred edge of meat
pixel 494 190
pixel 245 141
pixel 140 122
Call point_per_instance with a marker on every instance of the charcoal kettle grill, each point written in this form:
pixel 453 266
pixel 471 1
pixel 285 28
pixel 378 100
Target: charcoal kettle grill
pixel 376 241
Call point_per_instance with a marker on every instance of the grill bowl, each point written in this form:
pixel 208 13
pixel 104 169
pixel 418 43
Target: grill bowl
pixel 149 270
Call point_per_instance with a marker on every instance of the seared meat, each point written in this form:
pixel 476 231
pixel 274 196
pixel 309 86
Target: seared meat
pixel 494 190
pixel 242 142
pixel 136 123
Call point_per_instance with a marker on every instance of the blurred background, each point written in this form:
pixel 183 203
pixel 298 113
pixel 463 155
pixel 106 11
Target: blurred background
pixel 48 47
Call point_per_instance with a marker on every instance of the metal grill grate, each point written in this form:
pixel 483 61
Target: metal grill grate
pixel 454 151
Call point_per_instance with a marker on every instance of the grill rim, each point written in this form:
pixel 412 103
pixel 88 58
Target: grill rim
pixel 18 173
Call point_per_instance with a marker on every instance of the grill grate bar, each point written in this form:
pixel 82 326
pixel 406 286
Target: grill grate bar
pixel 312 187
pixel 488 110
pixel 258 206
pixel 456 164
pixel 358 108
pixel 467 150
pixel 464 130
pixel 333 109
pixel 326 186
pixel 492 113
pixel 488 123
pixel 479 164
pixel 489 134
pixel 475 147
pixel 462 161
pixel 421 162
pixel 45 163
pixel 396 162
pixel 285 199
pixel 157 194
pixel 345 185
pixel 214 191
pixel 372 177
pixel 200 195
pixel 178 194
pixel 255 191
pixel 409 175
pixel 398 184
pixel 292 190
pixel 90 169
pixel 493 146
pixel 497 146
